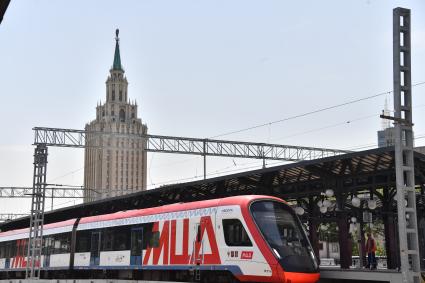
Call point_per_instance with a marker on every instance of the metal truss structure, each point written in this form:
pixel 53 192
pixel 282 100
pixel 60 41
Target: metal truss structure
pixel 196 146
pixel 11 216
pixel 51 192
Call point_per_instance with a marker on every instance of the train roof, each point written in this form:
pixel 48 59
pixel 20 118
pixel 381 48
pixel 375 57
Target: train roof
pixel 66 226
pixel 48 229
pixel 166 212
pixel 176 207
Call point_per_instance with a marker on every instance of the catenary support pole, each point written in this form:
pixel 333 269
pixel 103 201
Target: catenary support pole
pixel 35 237
pixel 404 166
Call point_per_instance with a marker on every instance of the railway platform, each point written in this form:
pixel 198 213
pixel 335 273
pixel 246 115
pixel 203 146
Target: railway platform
pixel 327 275
pixel 332 275
pixel 83 281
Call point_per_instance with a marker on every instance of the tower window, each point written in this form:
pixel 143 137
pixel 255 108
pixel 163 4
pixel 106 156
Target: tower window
pixel 120 95
pixel 132 115
pixel 122 115
pixel 113 95
pixel 112 113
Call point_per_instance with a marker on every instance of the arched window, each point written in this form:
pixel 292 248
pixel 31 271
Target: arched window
pixel 120 95
pixel 132 115
pixel 122 115
pixel 113 95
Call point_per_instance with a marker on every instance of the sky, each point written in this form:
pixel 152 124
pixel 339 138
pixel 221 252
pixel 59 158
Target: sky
pixel 199 69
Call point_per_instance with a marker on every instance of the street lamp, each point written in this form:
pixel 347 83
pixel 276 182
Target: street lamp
pixel 355 201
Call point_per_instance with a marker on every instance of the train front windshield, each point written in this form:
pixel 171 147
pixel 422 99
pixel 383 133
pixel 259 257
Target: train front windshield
pixel 283 232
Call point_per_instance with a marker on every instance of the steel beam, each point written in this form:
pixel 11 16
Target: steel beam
pixel 197 146
pixel 55 192
pixel 11 216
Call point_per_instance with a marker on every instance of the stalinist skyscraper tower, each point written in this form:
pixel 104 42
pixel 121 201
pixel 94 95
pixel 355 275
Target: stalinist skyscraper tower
pixel 115 160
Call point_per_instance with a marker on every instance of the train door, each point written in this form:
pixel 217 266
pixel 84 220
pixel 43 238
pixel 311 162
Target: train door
pixel 136 246
pixel 95 248
pixel 48 243
pixel 198 252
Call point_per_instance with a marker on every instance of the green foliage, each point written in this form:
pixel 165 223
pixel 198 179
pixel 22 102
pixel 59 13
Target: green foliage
pixel 355 250
pixel 328 232
pixel 380 249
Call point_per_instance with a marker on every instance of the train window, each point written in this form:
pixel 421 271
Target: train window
pixel 120 239
pixel 10 249
pixel 83 242
pixel 154 239
pixel 61 243
pixel 198 233
pixel 235 234
pixel 136 241
pixel 47 245
pixel 107 240
pixel 2 250
pixel 66 244
pixel 147 231
pixel 25 247
pixel 95 243
pixel 7 250
pixel 284 234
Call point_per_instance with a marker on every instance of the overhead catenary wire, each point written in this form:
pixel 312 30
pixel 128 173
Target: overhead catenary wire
pixel 346 122
pixel 310 112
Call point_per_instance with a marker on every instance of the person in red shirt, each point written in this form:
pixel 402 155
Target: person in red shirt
pixel 370 250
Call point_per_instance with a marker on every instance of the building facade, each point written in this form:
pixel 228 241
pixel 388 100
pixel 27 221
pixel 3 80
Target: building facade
pixel 115 159
pixel 386 137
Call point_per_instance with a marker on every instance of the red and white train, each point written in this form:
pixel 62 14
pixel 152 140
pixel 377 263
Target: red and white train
pixel 242 238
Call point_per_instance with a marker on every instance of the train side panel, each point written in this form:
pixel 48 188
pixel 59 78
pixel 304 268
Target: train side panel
pixel 217 237
pixel 237 245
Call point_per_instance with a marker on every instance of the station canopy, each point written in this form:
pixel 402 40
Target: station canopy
pixel 353 174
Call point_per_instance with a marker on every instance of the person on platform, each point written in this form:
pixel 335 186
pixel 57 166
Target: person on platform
pixel 370 250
